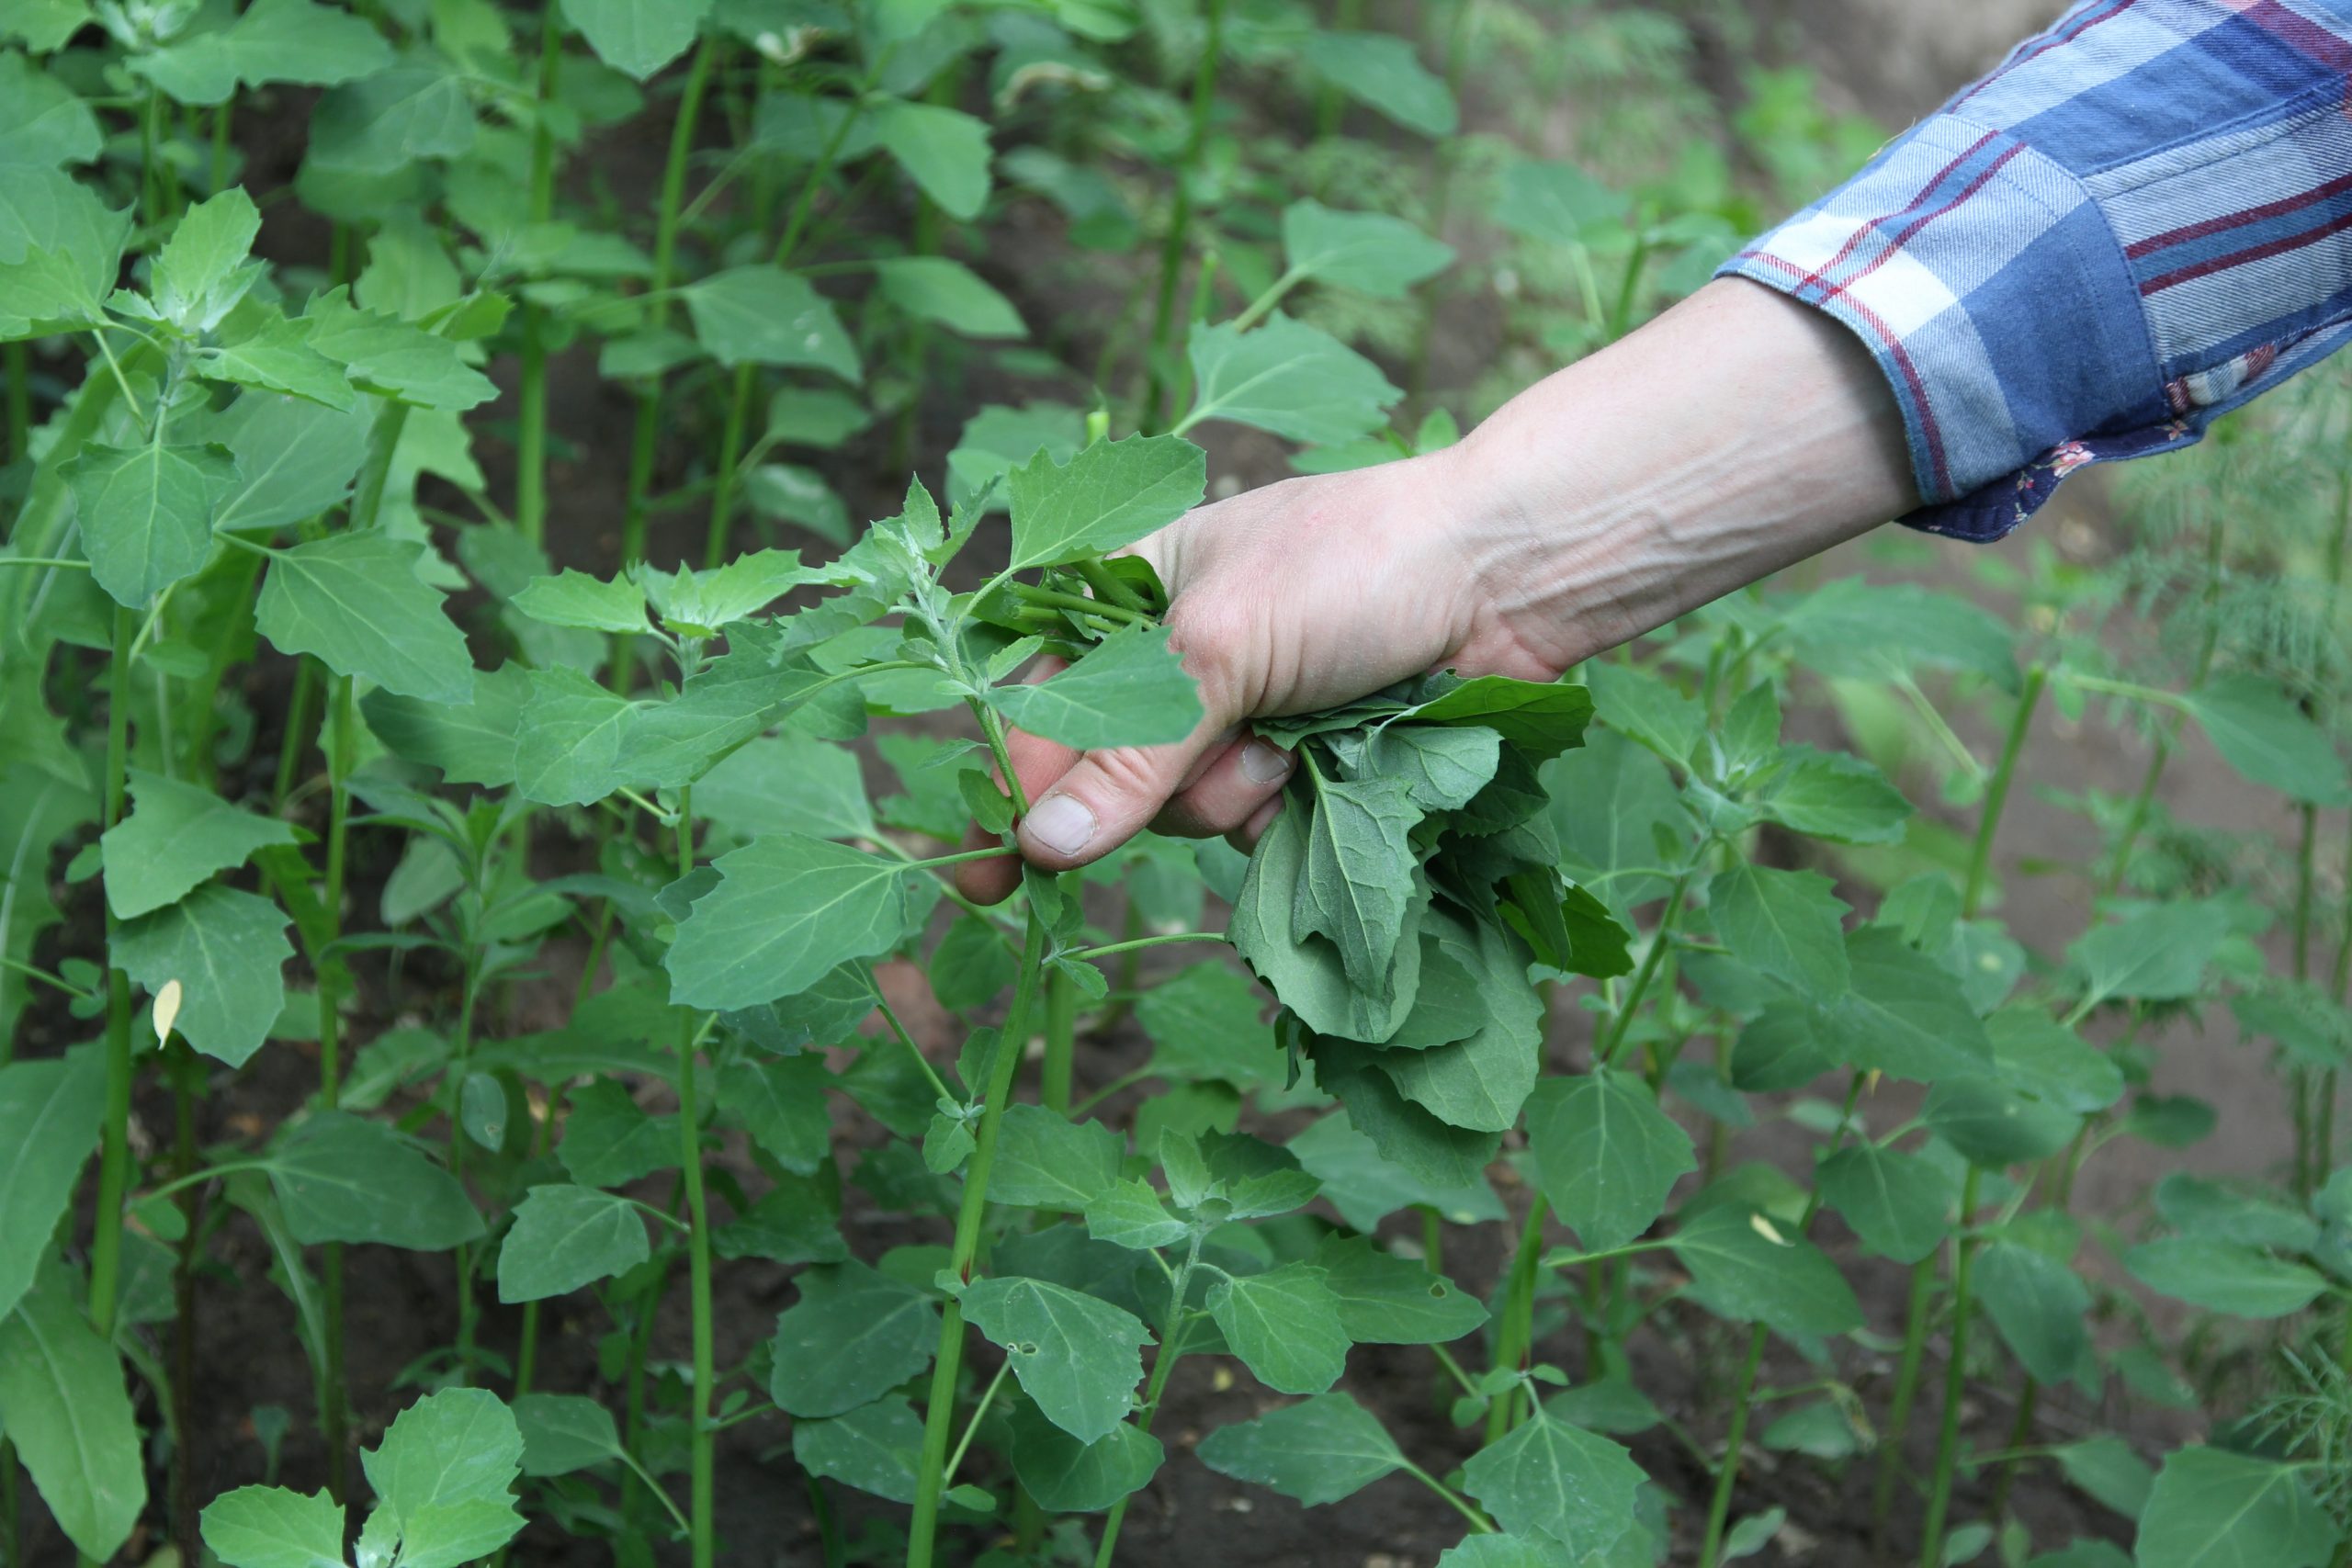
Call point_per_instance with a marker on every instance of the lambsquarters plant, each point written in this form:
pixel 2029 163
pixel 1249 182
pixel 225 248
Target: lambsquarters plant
pixel 220 548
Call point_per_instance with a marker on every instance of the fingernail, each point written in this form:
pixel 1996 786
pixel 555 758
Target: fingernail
pixel 1060 822
pixel 1261 763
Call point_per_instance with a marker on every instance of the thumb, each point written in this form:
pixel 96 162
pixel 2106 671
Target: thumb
pixel 1108 796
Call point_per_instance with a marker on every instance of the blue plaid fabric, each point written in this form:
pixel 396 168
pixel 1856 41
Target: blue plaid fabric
pixel 2140 221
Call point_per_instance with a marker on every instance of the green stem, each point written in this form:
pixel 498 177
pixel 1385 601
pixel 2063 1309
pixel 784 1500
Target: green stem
pixel 1906 1390
pixel 1138 944
pixel 1061 1041
pixel 20 402
pixel 531 392
pixel 1997 794
pixel 1727 1473
pixel 940 1418
pixel 1931 1534
pixel 2310 1159
pixel 343 754
pixel 739 393
pixel 1660 943
pixel 1172 1351
pixel 1173 244
pixel 114 1147
pixel 459 1060
pixel 1515 1335
pixel 2144 802
pixel 706 1377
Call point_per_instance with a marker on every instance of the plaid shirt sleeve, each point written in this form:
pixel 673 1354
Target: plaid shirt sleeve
pixel 2142 220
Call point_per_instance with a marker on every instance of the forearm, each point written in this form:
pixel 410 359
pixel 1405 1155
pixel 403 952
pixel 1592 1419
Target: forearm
pixel 1735 434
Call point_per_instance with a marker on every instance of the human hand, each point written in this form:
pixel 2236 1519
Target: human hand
pixel 1736 433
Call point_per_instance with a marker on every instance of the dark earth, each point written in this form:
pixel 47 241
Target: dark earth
pixel 1890 59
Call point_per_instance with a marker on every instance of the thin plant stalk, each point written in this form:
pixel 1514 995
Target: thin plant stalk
pixel 1171 1349
pixel 1932 1532
pixel 1174 244
pixel 1061 1042
pixel 646 439
pixel 1514 1337
pixel 1997 793
pixel 739 391
pixel 1743 1393
pixel 706 1377
pixel 114 1145
pixel 1906 1390
pixel 343 752
pixel 20 402
pixel 2143 800
pixel 2310 1159
pixel 531 390
pixel 940 1418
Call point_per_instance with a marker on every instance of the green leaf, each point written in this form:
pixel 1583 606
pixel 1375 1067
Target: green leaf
pixel 564 1432
pixel 1903 1013
pixel 1427 1149
pixel 1130 689
pixel 704 603
pixel 1558 203
pixel 41 123
pixel 2040 1305
pixel 1897 1203
pixel 1128 1213
pixel 764 315
pixel 1547 1478
pixel 1610 800
pixel 385 355
pixel 2210 1509
pixel 2267 738
pixel 1993 1125
pixel 1785 924
pixel 1382 72
pixel 1369 252
pixel 787 784
pixel 1066 1476
pixel 1367 1188
pixel 876 1447
pixel 147 513
pixel 1744 1268
pixel 2198 1205
pixel 1297 381
pixel 1045 1161
pixel 49 1123
pixel 1387 1300
pixel 1206 1023
pixel 444 1476
pixel 279 358
pixel 1605 1154
pixel 2109 1471
pixel 2224 1277
pixel 1828 796
pixel 1540 719
pixel 1646 708
pixel 304 43
pixel 1441 767
pixel 63 1406
pixel 2156 953
pixel 228 949
pixel 786 911
pixel 271 1527
pixel 295 459
pixel 468 742
pixel 381 123
pixel 935 288
pixel 1321 1451
pixel 1357 879
pixel 44 25
pixel 199 275
pixel 177 836
pixel 1880 631
pixel 853 1336
pixel 339 1177
pixel 1078 1358
pixel 1285 1326
pixel 782 1105
pixel 567 1236
pixel 944 151
pixel 354 600
pixel 575 598
pixel 638 37
pixel 1108 496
